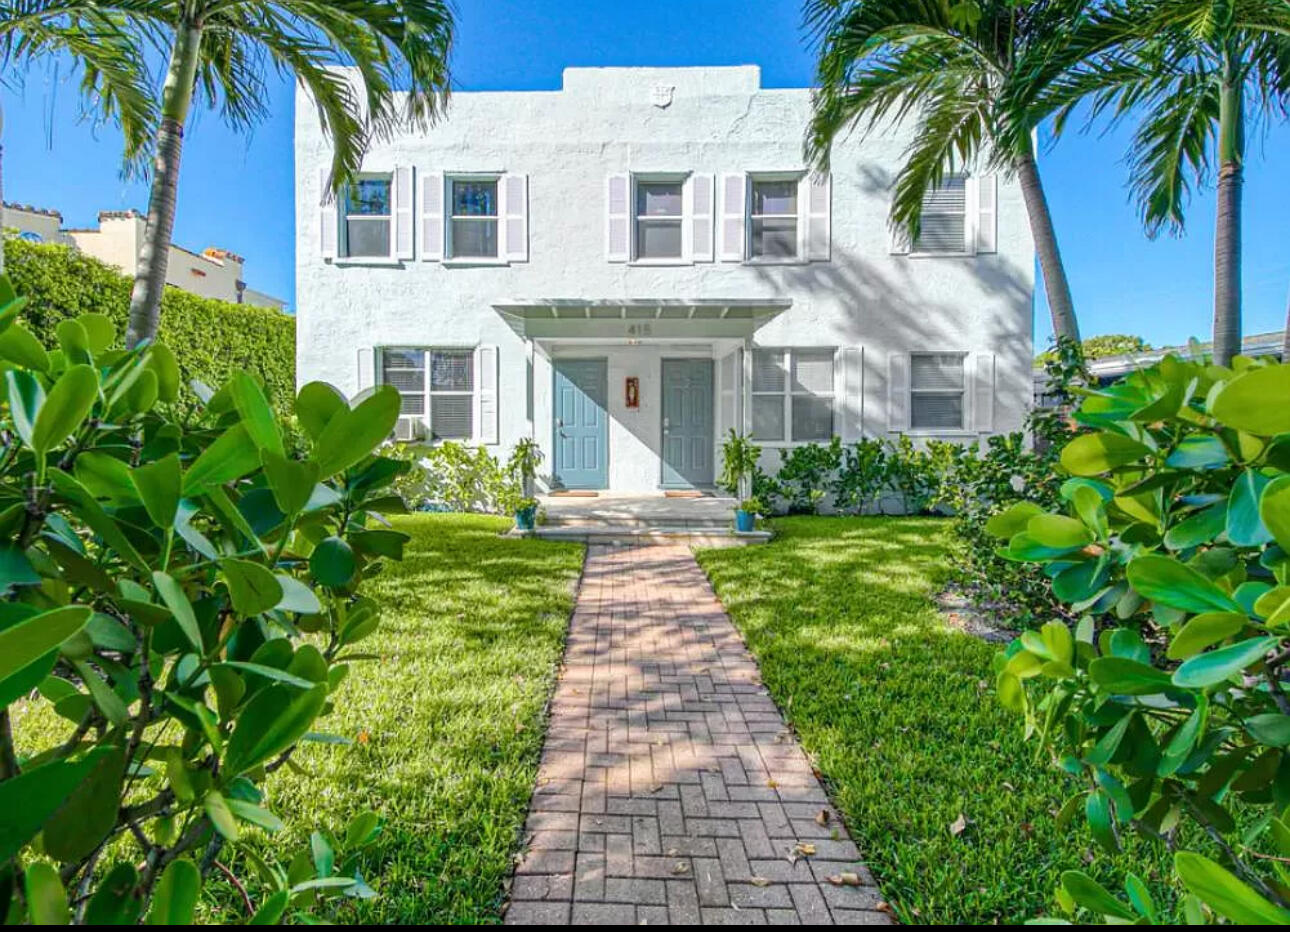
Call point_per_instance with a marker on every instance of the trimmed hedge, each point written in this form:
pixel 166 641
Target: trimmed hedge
pixel 210 338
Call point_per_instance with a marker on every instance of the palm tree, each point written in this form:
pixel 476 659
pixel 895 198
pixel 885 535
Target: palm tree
pixel 99 43
pixel 1197 72
pixel 950 66
pixel 349 54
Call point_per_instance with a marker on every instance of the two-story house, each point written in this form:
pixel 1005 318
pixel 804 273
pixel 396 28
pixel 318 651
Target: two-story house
pixel 629 267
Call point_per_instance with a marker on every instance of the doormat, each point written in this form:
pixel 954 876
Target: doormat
pixel 574 493
pixel 685 493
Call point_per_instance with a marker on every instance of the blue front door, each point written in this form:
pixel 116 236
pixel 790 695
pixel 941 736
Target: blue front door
pixel 687 423
pixel 581 425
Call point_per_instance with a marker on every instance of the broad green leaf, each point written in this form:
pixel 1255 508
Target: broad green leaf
pixel 1127 677
pixel 1167 581
pixel 1202 631
pixel 1224 892
pixel 89 812
pixel 333 563
pixel 1199 528
pixel 161 361
pixel 362 829
pixel 26 397
pixel 1012 520
pixel 15 569
pixel 1271 728
pixel 19 346
pixel 1059 532
pixel 231 456
pixel 297 597
pixel 116 902
pixel 1273 606
pixel 354 433
pixel 66 407
pixel 270 673
pixel 316 404
pixel 1097 809
pixel 93 514
pixel 380 542
pixel 74 341
pixel 256 815
pixel 99 331
pixel 1199 451
pixel 217 810
pixel 1244 526
pixel 1093 454
pixel 30 798
pixel 291 481
pixel 271 910
pixel 172 593
pixel 251 586
pixel 257 415
pixel 273 721
pixel 174 901
pixel 106 477
pixel 32 638
pixel 1217 665
pixel 158 484
pixel 1274 507
pixel 108 702
pixel 323 855
pixel 46 896
pixel 1255 401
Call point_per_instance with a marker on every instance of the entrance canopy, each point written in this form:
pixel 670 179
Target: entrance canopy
pixel 639 318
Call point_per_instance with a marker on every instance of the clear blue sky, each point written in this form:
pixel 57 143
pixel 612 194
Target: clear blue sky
pixel 235 192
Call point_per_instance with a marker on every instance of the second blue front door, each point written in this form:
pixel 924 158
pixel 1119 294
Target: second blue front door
pixel 581 424
pixel 687 423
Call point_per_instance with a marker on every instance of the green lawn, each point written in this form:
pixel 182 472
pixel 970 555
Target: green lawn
pixel 899 713
pixel 447 726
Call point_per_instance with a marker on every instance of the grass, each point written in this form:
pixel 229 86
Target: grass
pixel 447 725
pixel 899 714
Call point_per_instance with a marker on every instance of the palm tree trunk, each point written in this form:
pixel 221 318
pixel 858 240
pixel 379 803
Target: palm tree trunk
pixel 154 256
pixel 1056 286
pixel 1227 227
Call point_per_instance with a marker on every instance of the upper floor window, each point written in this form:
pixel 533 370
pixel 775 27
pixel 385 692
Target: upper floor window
pixel 438 391
pixel 792 395
pixel 936 390
pixel 658 219
pixel 474 218
pixel 944 225
pixel 368 212
pixel 773 219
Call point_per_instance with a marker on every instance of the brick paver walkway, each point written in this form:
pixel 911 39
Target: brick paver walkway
pixel 670 790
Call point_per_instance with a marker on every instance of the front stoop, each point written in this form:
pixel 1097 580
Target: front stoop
pixel 646 536
pixel 636 520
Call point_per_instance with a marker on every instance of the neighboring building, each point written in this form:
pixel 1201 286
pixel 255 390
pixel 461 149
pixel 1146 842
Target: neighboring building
pixel 629 267
pixel 34 223
pixel 213 273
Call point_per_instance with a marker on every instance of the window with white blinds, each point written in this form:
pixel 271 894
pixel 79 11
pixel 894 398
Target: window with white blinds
pixel 773 219
pixel 438 391
pixel 936 391
pixel 792 395
pixel 944 223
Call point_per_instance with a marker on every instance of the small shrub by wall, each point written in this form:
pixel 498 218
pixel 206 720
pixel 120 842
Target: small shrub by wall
pixel 211 339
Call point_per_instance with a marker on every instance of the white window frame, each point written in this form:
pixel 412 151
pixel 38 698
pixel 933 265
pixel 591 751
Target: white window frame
pixel 449 218
pixel 681 219
pixel 428 394
pixel 343 252
pixel 961 392
pixel 788 394
pixel 969 227
pixel 754 178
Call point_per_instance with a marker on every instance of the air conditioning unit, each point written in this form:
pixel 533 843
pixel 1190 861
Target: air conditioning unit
pixel 409 429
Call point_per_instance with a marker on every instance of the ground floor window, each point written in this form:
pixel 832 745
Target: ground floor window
pixel 936 388
pixel 792 395
pixel 438 390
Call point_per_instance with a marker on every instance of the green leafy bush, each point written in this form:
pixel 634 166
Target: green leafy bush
pixel 522 467
pixel 210 339
pixel 806 474
pixel 862 478
pixel 187 596
pixel 1166 701
pixel 452 476
pixel 739 458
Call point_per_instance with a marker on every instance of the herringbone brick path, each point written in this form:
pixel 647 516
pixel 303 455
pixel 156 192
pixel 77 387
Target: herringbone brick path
pixel 670 790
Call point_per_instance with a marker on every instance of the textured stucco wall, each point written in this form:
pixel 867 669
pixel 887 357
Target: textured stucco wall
pixel 602 122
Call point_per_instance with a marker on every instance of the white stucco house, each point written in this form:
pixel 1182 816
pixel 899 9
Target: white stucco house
pixel 630 266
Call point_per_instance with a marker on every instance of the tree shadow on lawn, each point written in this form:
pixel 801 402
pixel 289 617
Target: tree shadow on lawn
pixel 898 711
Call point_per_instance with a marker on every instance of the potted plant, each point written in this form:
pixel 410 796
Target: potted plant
pixel 526 457
pixel 746 515
pixel 739 464
pixel 526 513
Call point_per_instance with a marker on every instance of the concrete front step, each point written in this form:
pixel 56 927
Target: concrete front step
pixel 645 536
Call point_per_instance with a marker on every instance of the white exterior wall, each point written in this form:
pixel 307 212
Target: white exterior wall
pixel 603 121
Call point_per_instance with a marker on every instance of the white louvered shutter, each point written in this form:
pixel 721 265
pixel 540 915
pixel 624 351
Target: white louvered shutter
pixel 701 216
pixel 814 200
pixel 486 428
pixel 403 198
pixel 734 198
pixel 431 217
pixel 987 213
pixel 983 392
pixel 515 210
pixel 898 392
pixel 328 216
pixel 366 369
pixel 850 393
pixel 617 222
